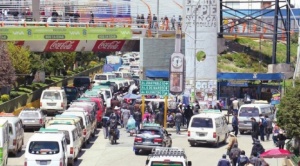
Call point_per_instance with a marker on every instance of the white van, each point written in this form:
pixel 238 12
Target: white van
pixel 123 74
pixel 53 100
pixel 46 147
pixel 208 127
pixel 16 133
pixel 103 77
pixel 72 139
pixel 247 111
pixel 4 141
pixel 87 131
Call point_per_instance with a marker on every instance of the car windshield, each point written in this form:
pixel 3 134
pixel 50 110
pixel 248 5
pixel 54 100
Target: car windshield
pixel 52 95
pixel 118 75
pixel 70 90
pixel 43 147
pixel 81 81
pixel 249 112
pixel 29 114
pixel 134 67
pixel 202 122
pixel 166 163
pixel 149 131
pixel 100 77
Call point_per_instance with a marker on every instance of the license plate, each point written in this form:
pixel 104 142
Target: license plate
pixel 43 162
pixel 29 120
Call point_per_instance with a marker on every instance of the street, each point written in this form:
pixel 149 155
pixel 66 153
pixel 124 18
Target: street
pixel 101 152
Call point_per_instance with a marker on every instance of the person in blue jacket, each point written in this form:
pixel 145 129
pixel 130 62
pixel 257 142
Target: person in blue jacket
pixel 223 161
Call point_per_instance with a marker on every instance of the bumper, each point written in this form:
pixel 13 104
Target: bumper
pixel 145 147
pixel 32 126
pixel 191 140
pixel 245 128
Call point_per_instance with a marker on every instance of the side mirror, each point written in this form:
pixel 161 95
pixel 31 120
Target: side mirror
pixel 147 162
pixel 189 163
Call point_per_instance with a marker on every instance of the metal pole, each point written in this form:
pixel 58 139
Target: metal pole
pixel 158 19
pixel 221 20
pixel 195 46
pixel 288 33
pixel 165 111
pixel 275 32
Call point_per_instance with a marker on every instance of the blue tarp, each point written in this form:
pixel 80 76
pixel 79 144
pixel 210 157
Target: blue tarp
pixel 249 76
pixel 157 74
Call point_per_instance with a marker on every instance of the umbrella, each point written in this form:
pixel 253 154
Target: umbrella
pixel 276 153
pixel 132 96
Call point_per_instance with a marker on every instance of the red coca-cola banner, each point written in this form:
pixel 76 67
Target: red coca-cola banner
pixel 61 45
pixel 19 43
pixel 108 45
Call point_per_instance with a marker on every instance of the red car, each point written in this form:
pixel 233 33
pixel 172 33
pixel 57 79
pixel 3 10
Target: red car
pixel 100 108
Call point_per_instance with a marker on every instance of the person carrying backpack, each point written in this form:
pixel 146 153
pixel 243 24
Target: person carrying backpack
pixel 235 154
pixel 243 159
pixel 262 125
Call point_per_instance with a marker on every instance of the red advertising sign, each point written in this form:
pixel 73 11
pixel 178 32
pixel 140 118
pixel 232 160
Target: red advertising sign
pixel 61 45
pixel 108 45
pixel 19 43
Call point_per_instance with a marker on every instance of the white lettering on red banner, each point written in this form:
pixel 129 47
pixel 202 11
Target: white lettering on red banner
pixel 61 45
pixel 108 45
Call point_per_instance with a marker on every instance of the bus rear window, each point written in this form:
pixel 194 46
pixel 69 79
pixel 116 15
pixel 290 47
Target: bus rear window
pixel 43 147
pixel 249 112
pixel 202 122
pixel 166 163
pixel 100 77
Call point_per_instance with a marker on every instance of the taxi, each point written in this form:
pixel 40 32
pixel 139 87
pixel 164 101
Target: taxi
pixel 32 118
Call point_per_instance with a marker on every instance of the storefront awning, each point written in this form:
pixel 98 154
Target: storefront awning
pixel 250 76
pixel 157 74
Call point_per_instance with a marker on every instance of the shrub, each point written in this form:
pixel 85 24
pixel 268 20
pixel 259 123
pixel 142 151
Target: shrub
pixel 14 95
pixel 79 69
pixel 69 73
pixel 93 64
pixel 4 98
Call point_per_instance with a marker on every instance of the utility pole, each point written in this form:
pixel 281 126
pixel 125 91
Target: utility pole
pixel 195 47
pixel 158 19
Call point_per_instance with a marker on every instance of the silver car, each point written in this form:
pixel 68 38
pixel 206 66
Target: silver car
pixel 32 118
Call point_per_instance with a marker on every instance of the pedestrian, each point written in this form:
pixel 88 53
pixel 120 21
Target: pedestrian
pixel 178 120
pixel 234 154
pixel 142 19
pixel 154 25
pixel 254 159
pixel 160 117
pixel 138 119
pixel 257 148
pixel 235 105
pixel 219 105
pixel 269 127
pixel 76 16
pixel 105 121
pixel 149 20
pixel 262 125
pixel 232 140
pixel 254 130
pixel 188 113
pixel 138 20
pixel 54 16
pixel 263 162
pixel 173 21
pixel 243 159
pixel 125 116
pixel 223 161
pixel 281 139
pixel 275 134
pixel 235 124
pixel 92 17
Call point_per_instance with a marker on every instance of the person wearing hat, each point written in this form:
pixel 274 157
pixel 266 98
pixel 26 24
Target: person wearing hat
pixel 232 140
pixel 223 161
pixel 281 139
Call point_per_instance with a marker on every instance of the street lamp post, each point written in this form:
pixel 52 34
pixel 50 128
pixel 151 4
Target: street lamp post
pixel 195 52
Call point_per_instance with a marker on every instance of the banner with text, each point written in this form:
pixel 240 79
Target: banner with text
pixel 60 33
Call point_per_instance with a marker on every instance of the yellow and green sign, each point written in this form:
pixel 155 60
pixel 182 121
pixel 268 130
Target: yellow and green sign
pixel 60 33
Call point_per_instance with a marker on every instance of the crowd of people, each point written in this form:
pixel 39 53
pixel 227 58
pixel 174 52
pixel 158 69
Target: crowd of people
pixel 164 23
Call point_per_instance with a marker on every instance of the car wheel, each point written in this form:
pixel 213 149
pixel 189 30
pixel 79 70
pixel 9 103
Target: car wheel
pixel 136 151
pixel 242 131
pixel 192 144
pixel 217 143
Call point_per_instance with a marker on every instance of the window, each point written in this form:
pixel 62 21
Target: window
pixel 70 90
pixel 202 122
pixel 107 93
pixel 249 112
pixel 166 163
pixel 29 114
pixel 149 131
pixel 43 147
pixel 81 81
pixel 10 129
pixel 74 135
pixel 67 135
pixel 100 77
pixel 54 95
pixel 118 75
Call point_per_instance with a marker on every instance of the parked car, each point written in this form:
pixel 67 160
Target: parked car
pixel 72 93
pixel 32 118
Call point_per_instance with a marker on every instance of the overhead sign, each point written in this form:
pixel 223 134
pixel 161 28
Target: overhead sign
pixel 62 33
pixel 109 45
pixel 154 87
pixel 61 45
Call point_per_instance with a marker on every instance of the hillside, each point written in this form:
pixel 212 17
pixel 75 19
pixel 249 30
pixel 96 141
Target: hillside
pixel 243 55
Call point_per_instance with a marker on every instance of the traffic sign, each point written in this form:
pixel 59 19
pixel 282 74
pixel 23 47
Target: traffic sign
pixel 154 87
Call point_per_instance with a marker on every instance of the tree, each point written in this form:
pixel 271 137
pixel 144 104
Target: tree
pixel 85 58
pixel 19 57
pixel 7 71
pixel 288 115
pixel 68 58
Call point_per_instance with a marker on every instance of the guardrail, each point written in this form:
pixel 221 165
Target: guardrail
pixel 22 100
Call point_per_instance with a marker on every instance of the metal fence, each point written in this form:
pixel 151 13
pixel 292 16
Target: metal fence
pixel 22 100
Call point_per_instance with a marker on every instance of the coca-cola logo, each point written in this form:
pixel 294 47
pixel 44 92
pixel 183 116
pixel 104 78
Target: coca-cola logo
pixel 106 45
pixel 62 45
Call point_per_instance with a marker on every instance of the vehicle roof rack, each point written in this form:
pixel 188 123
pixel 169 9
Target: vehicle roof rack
pixel 165 151
pixel 48 131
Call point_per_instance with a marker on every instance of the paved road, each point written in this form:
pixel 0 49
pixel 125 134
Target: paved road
pixel 100 152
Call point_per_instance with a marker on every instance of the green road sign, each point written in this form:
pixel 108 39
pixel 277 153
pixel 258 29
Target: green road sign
pixel 154 87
